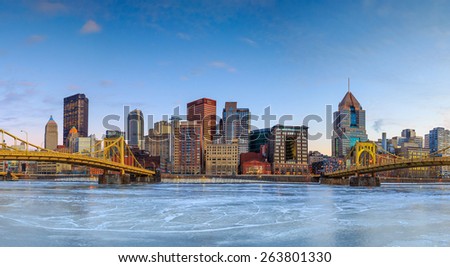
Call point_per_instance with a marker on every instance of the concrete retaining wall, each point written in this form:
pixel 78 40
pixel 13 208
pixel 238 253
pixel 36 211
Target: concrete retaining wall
pixel 334 181
pixel 364 181
pixel 352 181
pixel 269 178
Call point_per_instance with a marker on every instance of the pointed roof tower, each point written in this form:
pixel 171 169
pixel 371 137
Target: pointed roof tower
pixel 349 100
pixel 51 120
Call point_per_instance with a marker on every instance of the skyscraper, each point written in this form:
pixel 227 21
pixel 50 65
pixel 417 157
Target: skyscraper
pixel 76 114
pixel 51 134
pixel 384 141
pixel 439 138
pixel 71 139
pixel 236 125
pixel 258 138
pixel 426 141
pixel 408 133
pixel 409 136
pixel 135 133
pixel 349 125
pixel 187 147
pixel 203 110
pixel 158 143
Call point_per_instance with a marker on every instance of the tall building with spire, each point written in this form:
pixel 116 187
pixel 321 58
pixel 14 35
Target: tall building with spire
pixel 349 125
pixel 51 134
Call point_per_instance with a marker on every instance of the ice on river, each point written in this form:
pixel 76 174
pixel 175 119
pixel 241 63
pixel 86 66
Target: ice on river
pixel 268 214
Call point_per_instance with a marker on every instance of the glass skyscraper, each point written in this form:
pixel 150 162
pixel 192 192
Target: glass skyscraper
pixel 76 114
pixel 349 125
pixel 236 125
pixel 135 134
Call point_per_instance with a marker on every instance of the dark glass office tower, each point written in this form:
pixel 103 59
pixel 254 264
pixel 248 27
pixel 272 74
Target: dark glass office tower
pixel 76 114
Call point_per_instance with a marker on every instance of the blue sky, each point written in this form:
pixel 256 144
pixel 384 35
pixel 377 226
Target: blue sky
pixel 294 56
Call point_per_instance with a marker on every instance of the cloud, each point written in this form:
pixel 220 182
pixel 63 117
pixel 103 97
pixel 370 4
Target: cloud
pixel 18 85
pixel 377 125
pixel 34 39
pixel 73 87
pixel 90 27
pixel 11 97
pixel 184 36
pixel 17 92
pixel 218 64
pixel 7 119
pixel 51 7
pixel 196 72
pixel 51 100
pixel 222 65
pixel 106 83
pixel 249 42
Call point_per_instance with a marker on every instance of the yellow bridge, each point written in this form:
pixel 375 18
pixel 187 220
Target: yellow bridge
pixel 14 176
pixel 363 159
pixel 110 154
pixel 395 165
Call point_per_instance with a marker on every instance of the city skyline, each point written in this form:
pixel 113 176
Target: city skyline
pixel 293 57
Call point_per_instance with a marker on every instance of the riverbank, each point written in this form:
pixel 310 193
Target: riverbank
pixel 176 178
pixel 416 180
pixel 294 178
pixel 249 178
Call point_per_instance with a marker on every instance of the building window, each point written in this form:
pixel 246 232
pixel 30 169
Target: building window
pixel 353 117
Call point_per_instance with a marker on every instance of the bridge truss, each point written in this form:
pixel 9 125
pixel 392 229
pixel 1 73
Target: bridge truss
pixel 109 154
pixel 369 158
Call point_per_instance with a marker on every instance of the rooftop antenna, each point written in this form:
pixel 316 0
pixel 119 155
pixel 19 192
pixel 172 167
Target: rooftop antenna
pixel 349 84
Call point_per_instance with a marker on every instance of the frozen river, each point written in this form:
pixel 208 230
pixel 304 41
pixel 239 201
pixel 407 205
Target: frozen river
pixel 86 214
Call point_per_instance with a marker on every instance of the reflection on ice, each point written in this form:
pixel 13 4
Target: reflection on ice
pixel 83 214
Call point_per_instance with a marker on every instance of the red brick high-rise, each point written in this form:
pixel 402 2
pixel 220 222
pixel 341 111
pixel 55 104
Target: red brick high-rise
pixel 204 110
pixel 187 147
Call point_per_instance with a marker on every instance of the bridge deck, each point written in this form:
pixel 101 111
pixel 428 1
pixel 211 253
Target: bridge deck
pixel 76 159
pixel 396 164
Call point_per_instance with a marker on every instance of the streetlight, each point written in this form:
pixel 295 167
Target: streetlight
pixel 26 134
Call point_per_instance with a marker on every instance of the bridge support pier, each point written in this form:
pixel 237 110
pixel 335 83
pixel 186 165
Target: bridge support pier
pixel 147 179
pixel 351 181
pixel 114 179
pixel 333 181
pixel 107 178
pixel 364 181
